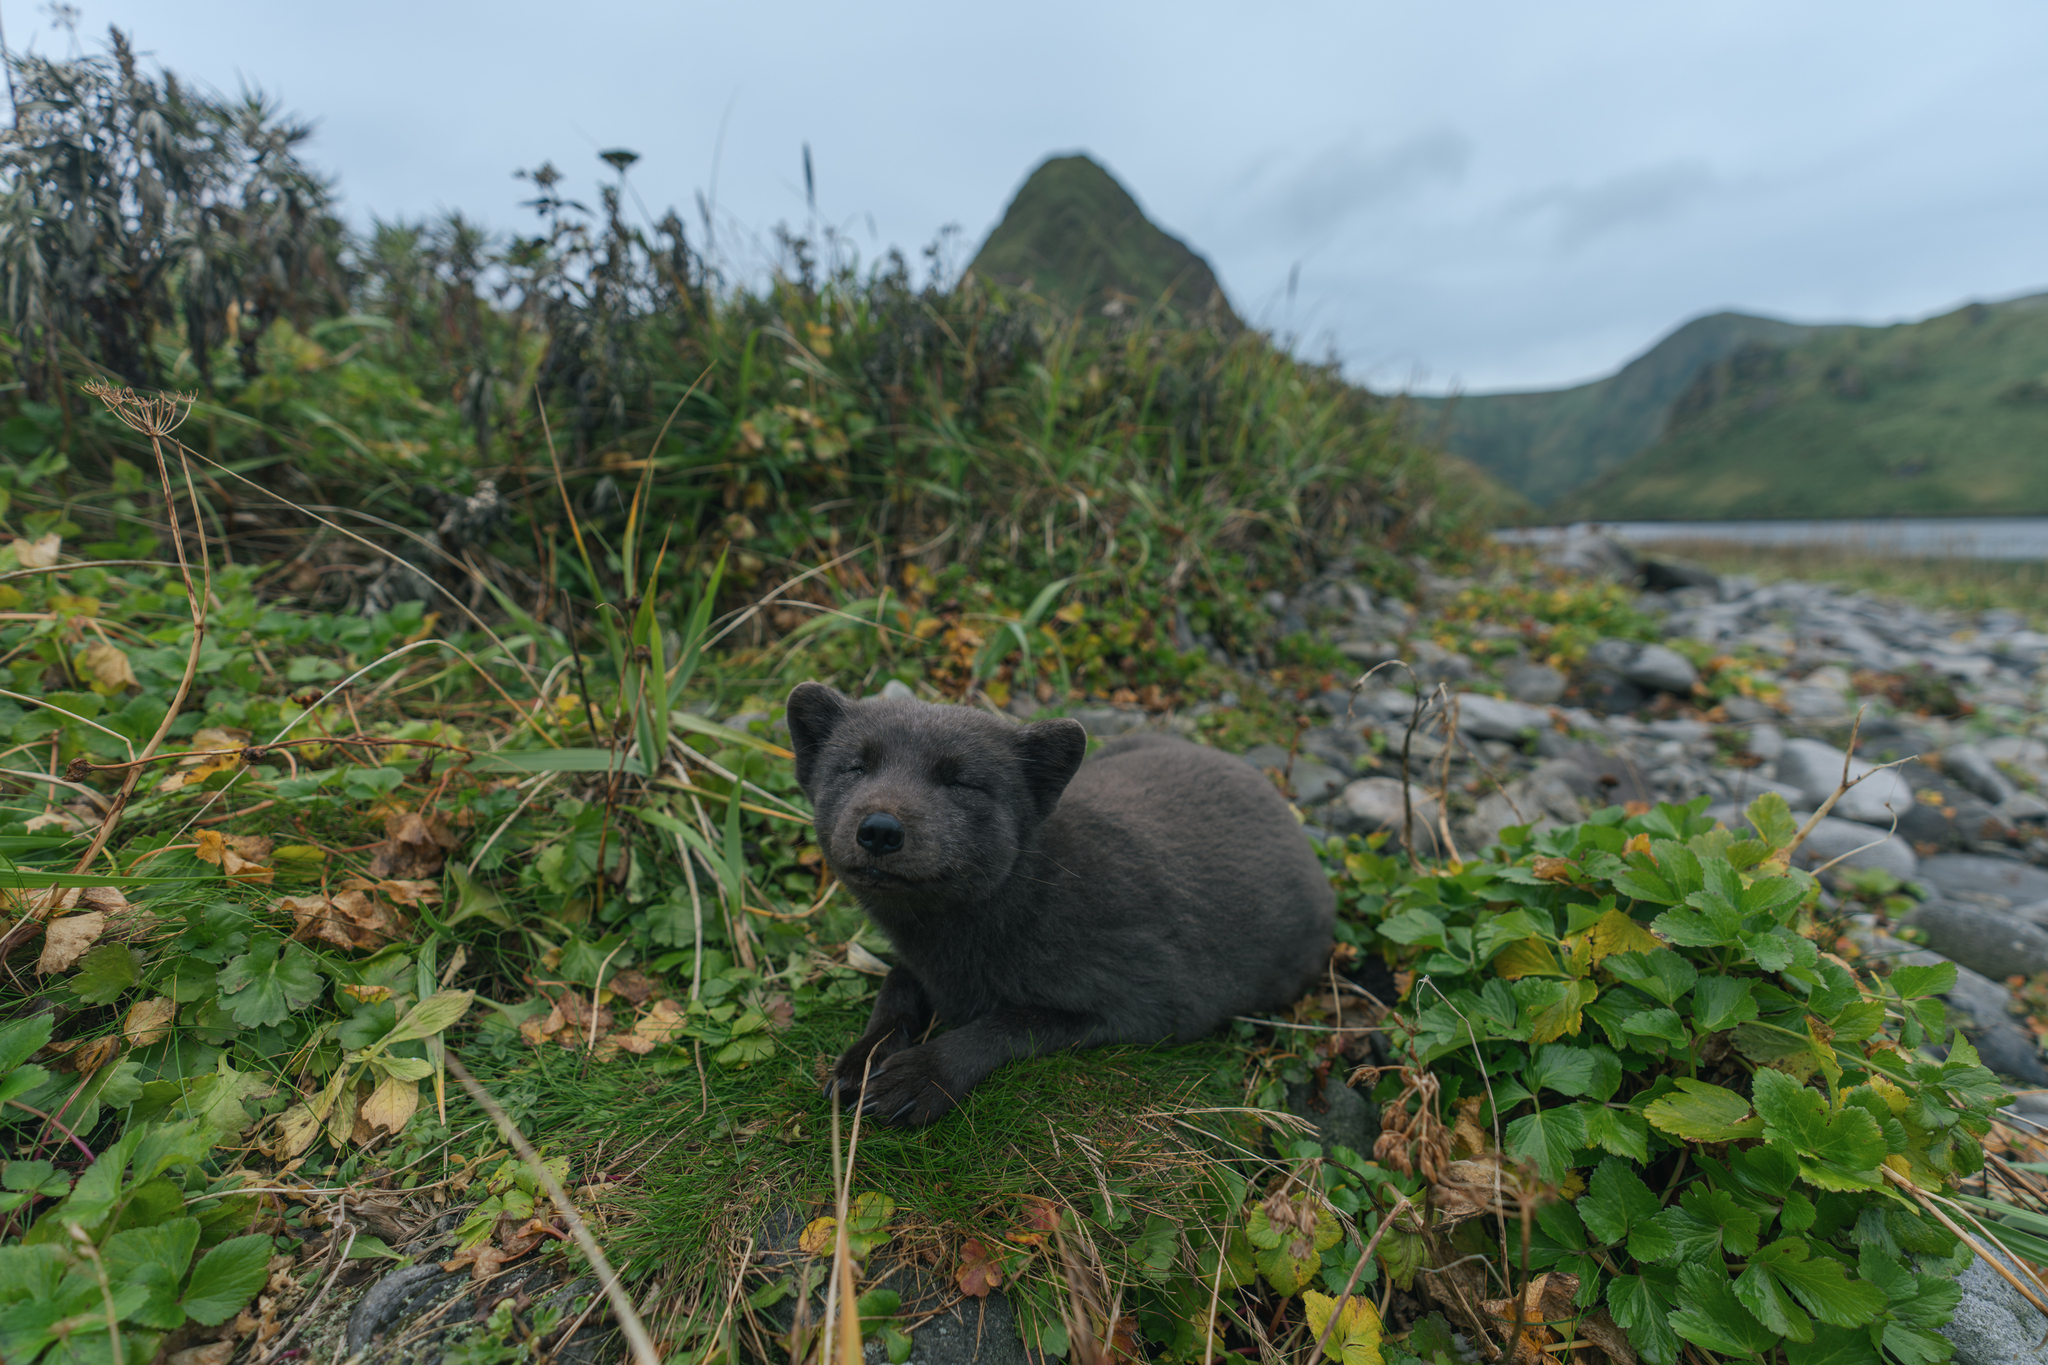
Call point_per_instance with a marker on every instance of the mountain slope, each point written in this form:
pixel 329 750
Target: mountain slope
pixel 1074 235
pixel 1944 416
pixel 1545 444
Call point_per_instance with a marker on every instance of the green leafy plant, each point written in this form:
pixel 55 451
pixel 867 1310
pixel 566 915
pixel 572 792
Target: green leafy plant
pixel 1726 1137
pixel 136 1246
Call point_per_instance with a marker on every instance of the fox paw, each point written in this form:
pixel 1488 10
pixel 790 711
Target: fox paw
pixel 908 1089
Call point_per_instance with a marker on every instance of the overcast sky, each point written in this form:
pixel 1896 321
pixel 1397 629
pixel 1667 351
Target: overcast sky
pixel 1477 195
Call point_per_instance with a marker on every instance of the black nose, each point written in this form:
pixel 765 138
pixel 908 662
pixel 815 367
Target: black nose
pixel 881 833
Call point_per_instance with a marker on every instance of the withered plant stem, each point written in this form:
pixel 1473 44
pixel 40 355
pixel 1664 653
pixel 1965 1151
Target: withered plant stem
pixel 1386 1221
pixel 622 1303
pixel 157 418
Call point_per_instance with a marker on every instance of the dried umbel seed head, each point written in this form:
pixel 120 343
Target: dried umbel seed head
pixel 1294 1219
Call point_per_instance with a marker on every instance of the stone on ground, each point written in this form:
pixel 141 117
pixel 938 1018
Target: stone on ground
pixel 1816 769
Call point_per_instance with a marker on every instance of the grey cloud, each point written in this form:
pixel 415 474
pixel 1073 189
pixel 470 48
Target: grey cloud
pixel 1581 213
pixel 1344 178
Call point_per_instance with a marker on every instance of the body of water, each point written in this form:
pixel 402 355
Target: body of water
pixel 1920 537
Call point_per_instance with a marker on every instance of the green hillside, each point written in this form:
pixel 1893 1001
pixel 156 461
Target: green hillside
pixel 1076 236
pixel 1945 416
pixel 1547 443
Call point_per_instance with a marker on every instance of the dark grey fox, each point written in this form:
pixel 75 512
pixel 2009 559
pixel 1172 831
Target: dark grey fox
pixel 1038 902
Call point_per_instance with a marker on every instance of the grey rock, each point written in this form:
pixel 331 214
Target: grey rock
pixel 1369 652
pixel 1993 942
pixel 1675 575
pixel 1343 1117
pixel 1373 804
pixel 967 1332
pixel 386 1301
pixel 1266 756
pixel 2026 752
pixel 1967 764
pixel 1986 1006
pixel 1994 1324
pixel 1743 787
pixel 1537 684
pixel 898 689
pixel 1105 721
pixel 1816 703
pixel 1976 874
pixel 1607 692
pixel 1662 669
pixel 1611 653
pixel 1314 782
pixel 1593 555
pixel 1864 846
pixel 1684 731
pixel 1766 742
pixel 1547 798
pixel 1748 708
pixel 1816 769
pixel 1491 718
pixel 1337 745
pixel 2024 806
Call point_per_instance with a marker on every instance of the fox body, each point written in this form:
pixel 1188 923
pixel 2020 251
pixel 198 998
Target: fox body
pixel 1036 901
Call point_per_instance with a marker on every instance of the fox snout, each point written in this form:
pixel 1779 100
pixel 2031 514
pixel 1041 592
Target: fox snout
pixel 880 833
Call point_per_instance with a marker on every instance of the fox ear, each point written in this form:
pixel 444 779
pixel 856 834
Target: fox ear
pixel 814 712
pixel 1052 751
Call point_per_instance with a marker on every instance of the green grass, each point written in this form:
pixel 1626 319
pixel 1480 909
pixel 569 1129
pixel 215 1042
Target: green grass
pixel 726 1160
pixel 1943 417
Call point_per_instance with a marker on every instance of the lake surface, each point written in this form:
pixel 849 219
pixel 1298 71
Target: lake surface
pixel 1921 537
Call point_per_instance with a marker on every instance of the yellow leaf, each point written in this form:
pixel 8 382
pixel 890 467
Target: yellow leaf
pixel 71 604
pixel 296 1129
pixel 1355 1339
pixel 149 1021
pixel 818 1236
pixel 365 995
pixel 1554 869
pixel 391 1104
pixel 1639 844
pixel 107 667
pixel 1526 957
pixel 1617 932
pixel 37 554
pixel 1554 1021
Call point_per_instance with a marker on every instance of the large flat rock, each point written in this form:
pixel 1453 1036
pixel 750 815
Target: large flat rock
pixel 1975 874
pixel 1994 942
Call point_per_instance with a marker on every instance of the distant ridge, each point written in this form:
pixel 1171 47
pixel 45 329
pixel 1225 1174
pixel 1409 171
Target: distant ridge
pixel 1943 417
pixel 1074 235
pixel 1544 444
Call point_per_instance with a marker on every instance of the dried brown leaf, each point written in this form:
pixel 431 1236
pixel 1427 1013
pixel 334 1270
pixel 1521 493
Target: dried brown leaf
pixel 414 847
pixel 349 919
pixel 87 1058
pixel 633 984
pixel 149 1021
pixel 661 1024
pixel 399 891
pixel 39 553
pixel 66 940
pixel 979 1271
pixel 107 667
pixel 213 1353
